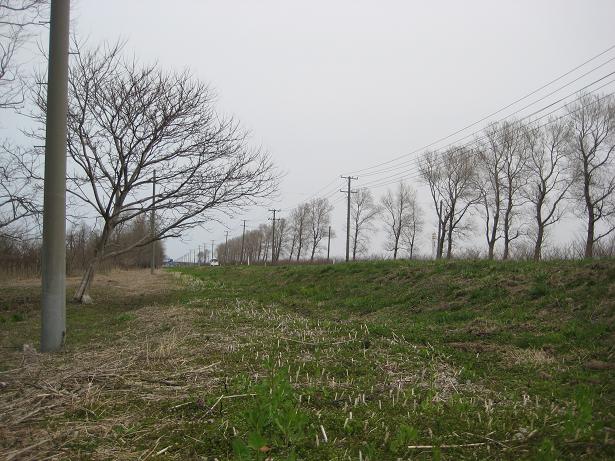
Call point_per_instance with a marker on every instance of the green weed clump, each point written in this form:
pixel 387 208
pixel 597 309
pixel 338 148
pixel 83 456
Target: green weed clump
pixel 273 421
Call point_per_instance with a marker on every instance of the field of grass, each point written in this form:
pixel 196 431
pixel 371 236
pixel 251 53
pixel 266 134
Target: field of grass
pixel 367 361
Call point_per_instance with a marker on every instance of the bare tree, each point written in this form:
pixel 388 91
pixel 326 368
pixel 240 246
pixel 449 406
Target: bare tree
pixel 549 178
pixel 299 218
pixel 265 242
pixel 397 208
pixel 432 174
pixel 281 237
pixel 319 219
pixel 18 18
pixel 592 155
pixel 514 149
pixel 490 185
pixel 127 120
pixel 363 212
pixel 450 176
pixel 415 226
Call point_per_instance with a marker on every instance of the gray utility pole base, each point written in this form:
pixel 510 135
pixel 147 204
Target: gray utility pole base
pixel 53 308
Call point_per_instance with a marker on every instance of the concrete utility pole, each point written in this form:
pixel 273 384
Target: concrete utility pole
pixel 152 224
pixel 328 243
pixel 349 178
pixel 243 239
pixel 53 306
pixel 274 211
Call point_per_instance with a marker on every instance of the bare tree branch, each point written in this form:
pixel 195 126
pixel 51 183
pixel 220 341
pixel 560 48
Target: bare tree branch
pixel 126 121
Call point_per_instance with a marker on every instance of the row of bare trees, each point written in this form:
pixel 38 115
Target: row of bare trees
pixel 301 235
pixel 513 185
pixel 521 179
pixel 22 257
pixel 305 234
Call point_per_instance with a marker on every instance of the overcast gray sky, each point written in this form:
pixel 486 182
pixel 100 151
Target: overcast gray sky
pixel 331 87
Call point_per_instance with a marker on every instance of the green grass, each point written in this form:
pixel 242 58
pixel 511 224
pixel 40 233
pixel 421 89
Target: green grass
pixel 470 359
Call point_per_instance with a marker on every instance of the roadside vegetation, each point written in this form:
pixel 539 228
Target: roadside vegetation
pixel 371 360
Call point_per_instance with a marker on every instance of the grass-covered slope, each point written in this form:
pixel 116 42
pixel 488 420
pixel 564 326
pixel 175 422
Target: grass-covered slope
pixel 556 305
pixel 372 361
pixel 518 352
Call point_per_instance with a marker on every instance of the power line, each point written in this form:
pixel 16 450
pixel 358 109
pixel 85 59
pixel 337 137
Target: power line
pixel 416 174
pixel 327 191
pixel 490 115
pixel 414 169
pixel 406 162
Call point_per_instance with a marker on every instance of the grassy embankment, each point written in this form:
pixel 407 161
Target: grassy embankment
pixel 379 360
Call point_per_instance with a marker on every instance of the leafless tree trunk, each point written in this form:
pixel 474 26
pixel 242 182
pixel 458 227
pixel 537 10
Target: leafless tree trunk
pixel 363 212
pixel 281 237
pixel 515 159
pixel 451 180
pixel 293 242
pixel 490 179
pixel 549 178
pixel 413 229
pixel 431 171
pixel 265 231
pixel 396 209
pixel 442 220
pixel 127 120
pixel 319 219
pixel 592 155
pixel 299 222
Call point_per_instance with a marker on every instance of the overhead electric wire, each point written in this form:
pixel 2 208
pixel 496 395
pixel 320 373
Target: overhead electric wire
pixel 416 175
pixel 396 166
pixel 327 191
pixel 325 187
pixel 413 173
pixel 361 171
pixel 415 167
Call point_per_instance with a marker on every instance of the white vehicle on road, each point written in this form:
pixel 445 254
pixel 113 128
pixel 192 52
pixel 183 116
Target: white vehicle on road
pixel 214 262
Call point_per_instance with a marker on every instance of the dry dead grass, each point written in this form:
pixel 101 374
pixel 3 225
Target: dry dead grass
pixel 145 365
pixel 533 357
pixel 154 360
